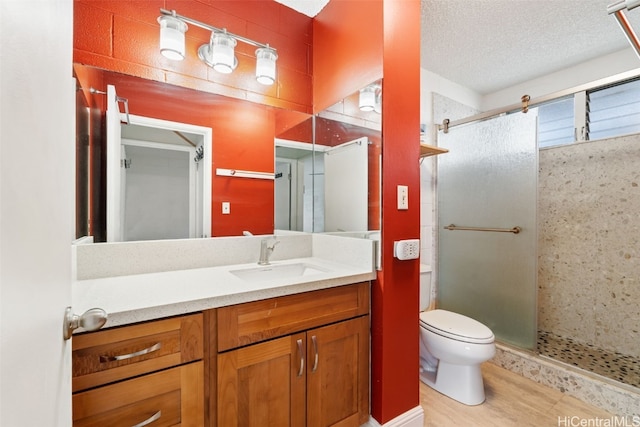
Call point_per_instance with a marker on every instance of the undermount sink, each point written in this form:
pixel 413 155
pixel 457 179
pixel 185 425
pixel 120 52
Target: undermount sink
pixel 277 271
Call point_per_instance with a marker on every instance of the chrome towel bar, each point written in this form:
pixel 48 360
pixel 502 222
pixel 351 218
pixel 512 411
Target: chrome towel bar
pixel 514 230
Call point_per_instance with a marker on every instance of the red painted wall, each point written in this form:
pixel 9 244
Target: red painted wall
pixel 347 49
pixel 370 39
pixel 123 36
pixel 243 136
pixel 354 43
pixel 395 328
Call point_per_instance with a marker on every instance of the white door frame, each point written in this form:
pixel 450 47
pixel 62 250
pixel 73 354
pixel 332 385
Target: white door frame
pixel 204 168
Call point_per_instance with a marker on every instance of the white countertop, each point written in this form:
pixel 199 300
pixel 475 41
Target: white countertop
pixel 139 297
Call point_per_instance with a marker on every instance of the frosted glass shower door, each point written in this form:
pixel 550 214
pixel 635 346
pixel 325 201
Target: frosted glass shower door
pixel 489 180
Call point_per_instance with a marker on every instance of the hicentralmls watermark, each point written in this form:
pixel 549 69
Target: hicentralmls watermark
pixel 576 421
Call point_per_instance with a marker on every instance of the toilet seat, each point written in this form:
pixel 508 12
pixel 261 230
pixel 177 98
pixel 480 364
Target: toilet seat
pixel 456 326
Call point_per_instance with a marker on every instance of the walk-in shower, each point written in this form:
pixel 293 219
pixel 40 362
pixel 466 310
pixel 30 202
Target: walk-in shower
pixel 564 287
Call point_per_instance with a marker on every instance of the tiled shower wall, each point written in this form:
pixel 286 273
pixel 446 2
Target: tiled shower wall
pixel 589 243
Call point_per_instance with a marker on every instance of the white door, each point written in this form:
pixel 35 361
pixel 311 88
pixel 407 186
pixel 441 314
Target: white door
pixel 283 195
pixel 155 136
pixel 159 195
pixel 346 189
pixel 203 187
pixel 114 171
pixel 37 163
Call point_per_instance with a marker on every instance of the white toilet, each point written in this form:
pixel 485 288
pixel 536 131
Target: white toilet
pixel 452 347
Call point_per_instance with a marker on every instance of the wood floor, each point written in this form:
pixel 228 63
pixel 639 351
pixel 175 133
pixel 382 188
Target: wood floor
pixel 511 400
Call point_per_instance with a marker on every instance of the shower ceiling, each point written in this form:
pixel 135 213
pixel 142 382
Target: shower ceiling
pixel 488 45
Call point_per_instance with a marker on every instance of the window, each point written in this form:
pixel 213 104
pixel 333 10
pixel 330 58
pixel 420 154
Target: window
pixel 614 110
pixel 556 123
pixel 605 112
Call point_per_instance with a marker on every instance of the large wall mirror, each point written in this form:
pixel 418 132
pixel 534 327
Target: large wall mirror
pixel 342 168
pixel 184 153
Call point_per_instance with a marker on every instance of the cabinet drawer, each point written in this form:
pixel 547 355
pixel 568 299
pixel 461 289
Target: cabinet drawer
pixel 174 397
pixel 115 354
pixel 252 322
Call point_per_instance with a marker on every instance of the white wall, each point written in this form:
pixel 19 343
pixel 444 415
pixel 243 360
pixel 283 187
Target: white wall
pixel 587 72
pixel 431 85
pixel 37 166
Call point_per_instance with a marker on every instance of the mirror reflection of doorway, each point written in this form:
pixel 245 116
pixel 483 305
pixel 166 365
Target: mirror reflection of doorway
pixel 346 186
pixel 284 196
pixel 157 192
pixel 293 189
pixel 321 188
pixel 158 177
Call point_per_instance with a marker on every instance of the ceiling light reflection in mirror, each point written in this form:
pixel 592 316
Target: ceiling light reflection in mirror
pixel 343 169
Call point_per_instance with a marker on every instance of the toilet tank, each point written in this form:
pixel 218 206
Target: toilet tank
pixel 425 286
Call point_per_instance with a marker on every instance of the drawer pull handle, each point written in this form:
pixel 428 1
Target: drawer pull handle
pixel 149 420
pixel 314 341
pixel 157 346
pixel 301 371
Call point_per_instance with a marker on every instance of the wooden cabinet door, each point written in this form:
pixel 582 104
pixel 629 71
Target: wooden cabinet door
pixel 263 384
pixel 338 374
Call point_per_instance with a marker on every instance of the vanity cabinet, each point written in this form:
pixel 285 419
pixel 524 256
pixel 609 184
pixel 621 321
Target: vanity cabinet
pixel 297 360
pixel 143 374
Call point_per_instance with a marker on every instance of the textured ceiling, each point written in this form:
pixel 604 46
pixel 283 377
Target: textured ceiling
pixel 488 45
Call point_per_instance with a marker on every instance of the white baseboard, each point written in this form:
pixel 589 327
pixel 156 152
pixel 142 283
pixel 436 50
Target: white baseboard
pixel 411 418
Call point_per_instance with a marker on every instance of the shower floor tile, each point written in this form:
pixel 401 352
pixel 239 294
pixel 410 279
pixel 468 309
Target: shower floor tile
pixel 619 367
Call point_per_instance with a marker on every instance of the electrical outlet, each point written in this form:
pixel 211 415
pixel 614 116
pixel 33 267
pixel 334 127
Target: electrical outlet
pixel 406 249
pixel 226 208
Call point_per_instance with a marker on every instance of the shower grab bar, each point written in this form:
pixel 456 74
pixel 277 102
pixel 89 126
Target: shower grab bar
pixel 514 230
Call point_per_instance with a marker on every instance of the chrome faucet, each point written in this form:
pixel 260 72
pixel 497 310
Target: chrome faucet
pixel 266 250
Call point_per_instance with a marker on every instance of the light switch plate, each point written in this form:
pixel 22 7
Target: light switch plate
pixel 403 197
pixel 226 208
pixel 406 249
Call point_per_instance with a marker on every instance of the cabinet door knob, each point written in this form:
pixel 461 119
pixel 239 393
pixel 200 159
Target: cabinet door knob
pixel 91 320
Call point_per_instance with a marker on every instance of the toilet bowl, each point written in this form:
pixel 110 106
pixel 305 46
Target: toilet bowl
pixel 452 347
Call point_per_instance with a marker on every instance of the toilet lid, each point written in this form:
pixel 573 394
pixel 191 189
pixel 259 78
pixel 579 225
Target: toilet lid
pixel 456 326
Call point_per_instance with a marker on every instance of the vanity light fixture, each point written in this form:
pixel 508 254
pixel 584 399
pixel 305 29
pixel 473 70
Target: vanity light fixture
pixel 266 65
pixel 370 98
pixel 172 37
pixel 219 52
